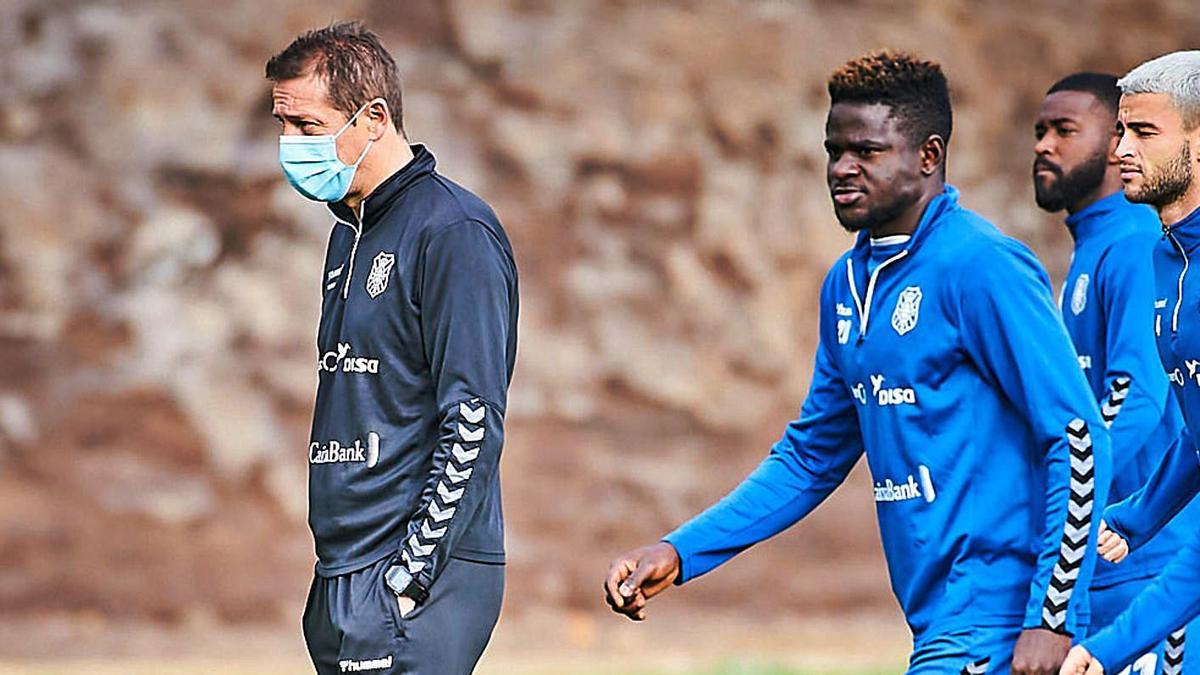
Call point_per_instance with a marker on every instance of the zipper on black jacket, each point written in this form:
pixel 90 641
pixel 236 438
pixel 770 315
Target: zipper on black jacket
pixel 353 249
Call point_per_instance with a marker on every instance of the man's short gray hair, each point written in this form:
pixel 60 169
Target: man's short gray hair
pixel 1176 74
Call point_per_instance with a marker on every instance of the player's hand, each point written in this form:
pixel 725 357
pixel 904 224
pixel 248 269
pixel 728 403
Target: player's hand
pixel 1080 662
pixel 406 604
pixel 1039 652
pixel 635 577
pixel 1110 545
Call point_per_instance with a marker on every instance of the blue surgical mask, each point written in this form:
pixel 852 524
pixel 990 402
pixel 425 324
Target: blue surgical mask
pixel 311 164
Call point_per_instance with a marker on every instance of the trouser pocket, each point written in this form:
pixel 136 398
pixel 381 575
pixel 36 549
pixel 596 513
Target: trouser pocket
pixel 448 632
pixel 385 600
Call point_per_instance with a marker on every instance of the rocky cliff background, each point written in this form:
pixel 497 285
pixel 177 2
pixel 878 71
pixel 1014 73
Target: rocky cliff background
pixel 660 171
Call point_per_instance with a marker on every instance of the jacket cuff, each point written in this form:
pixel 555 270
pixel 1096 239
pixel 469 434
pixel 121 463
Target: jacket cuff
pixel 1104 647
pixel 685 572
pixel 1113 520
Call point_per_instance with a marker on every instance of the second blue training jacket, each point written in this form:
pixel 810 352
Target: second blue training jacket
pixel 1173 598
pixel 1108 310
pixel 943 358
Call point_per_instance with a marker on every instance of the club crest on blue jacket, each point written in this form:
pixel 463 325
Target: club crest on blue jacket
pixel 1079 295
pixel 908 310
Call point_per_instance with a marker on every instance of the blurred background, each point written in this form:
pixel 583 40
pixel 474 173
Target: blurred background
pixel 658 166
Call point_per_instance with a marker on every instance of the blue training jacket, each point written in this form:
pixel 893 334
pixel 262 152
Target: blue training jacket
pixel 1174 597
pixel 1107 308
pixel 948 364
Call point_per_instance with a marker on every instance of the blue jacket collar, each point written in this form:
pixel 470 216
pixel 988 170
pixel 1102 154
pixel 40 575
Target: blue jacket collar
pixel 1187 231
pixel 1090 219
pixel 930 220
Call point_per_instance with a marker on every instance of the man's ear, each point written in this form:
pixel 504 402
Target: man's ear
pixel 933 154
pixel 378 118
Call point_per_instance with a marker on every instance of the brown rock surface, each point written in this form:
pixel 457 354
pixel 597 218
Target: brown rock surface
pixel 659 168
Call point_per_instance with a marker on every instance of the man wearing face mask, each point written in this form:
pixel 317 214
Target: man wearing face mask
pixel 1108 307
pixel 416 343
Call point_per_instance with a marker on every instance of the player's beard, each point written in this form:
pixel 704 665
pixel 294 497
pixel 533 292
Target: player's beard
pixel 1168 184
pixel 1072 186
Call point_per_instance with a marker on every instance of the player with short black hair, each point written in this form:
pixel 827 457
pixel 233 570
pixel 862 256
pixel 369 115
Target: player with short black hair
pixel 914 89
pixel 1101 86
pixel 942 357
pixel 1107 305
pixel 1159 155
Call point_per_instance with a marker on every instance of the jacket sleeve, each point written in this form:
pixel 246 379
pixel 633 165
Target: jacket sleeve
pixel 467 300
pixel 1135 384
pixel 1014 334
pixel 1169 602
pixel 812 458
pixel 1171 487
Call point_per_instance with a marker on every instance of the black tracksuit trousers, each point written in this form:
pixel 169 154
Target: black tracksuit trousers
pixel 352 622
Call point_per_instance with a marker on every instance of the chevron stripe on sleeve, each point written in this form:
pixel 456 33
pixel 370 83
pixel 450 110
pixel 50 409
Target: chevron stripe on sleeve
pixel 450 488
pixel 1077 529
pixel 1115 399
pixel 1173 654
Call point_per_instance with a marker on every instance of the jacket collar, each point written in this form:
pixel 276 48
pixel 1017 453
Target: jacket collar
pixel 386 193
pixel 1089 220
pixel 937 207
pixel 1187 231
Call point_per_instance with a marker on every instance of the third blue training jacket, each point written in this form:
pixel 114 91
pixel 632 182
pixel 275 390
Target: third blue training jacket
pixel 1108 310
pixel 943 358
pixel 1174 597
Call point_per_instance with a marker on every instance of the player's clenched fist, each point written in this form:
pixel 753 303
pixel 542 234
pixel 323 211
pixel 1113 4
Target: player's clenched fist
pixel 1080 662
pixel 1110 545
pixel 635 577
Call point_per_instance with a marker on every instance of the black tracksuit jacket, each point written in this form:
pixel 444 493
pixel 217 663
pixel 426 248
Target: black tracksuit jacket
pixel 416 347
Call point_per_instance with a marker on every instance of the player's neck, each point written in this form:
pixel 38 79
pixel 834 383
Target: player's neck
pixel 907 221
pixel 388 156
pixel 1109 186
